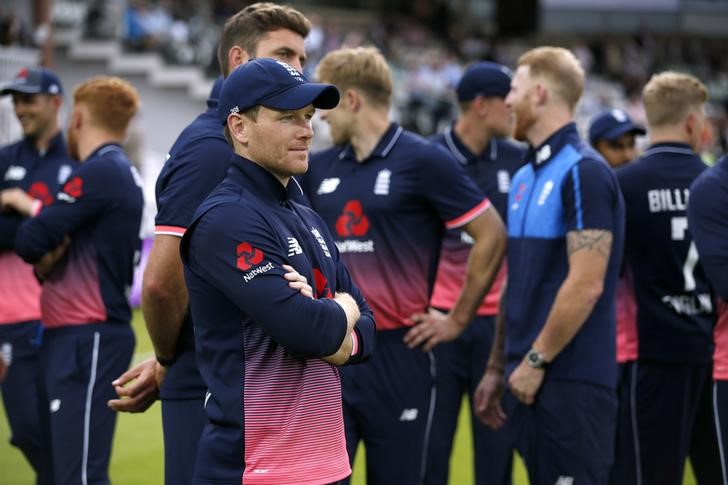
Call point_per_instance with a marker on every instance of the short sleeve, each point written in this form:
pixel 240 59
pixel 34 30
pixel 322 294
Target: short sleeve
pixel 447 187
pixel 590 196
pixel 187 178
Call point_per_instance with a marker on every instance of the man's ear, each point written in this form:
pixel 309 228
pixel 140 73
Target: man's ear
pixel 352 99
pixel 238 127
pixel 237 56
pixel 542 94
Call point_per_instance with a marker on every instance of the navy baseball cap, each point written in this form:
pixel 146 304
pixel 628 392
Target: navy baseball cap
pixel 611 124
pixel 484 79
pixel 273 84
pixel 33 80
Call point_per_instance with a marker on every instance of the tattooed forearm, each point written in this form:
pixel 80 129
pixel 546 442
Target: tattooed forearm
pixel 590 240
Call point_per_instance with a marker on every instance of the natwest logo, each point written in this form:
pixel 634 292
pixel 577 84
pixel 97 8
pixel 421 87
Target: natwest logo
pixel 39 190
pixel 248 256
pixel 74 187
pixel 352 221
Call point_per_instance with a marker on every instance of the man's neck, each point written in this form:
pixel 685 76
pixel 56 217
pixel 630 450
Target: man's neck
pixel 44 141
pixel 474 137
pixel 549 122
pixel 370 128
pixel 90 141
pixel 669 135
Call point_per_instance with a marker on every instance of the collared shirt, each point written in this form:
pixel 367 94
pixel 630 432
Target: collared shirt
pixel 388 213
pixel 565 186
pixel 40 175
pixel 492 171
pixel 675 314
pixel 274 406
pixel 100 209
pixel 197 162
pixel 708 222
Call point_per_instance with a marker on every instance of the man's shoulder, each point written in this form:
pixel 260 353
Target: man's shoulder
pixel 511 148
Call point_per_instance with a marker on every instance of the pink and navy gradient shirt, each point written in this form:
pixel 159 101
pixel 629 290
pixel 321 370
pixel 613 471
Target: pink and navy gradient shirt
pixel 708 222
pixel 388 214
pixel 40 175
pixel 100 209
pixel 492 171
pixel 274 406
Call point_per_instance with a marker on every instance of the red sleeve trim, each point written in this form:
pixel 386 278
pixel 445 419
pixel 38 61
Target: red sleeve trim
pixel 169 231
pixel 469 216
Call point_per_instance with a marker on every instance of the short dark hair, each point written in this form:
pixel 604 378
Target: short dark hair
pixel 248 26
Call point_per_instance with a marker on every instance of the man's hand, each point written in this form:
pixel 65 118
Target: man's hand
pixel 525 382
pixel 488 398
pixel 16 199
pixel 297 281
pixel 46 263
pixel 138 387
pixel 432 328
pixel 3 370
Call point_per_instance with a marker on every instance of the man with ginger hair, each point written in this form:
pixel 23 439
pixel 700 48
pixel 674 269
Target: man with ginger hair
pixel 675 314
pixel 565 226
pixel 387 196
pixel 84 247
pixel 197 162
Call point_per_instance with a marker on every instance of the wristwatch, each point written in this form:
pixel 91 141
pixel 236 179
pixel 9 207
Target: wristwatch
pixel 535 359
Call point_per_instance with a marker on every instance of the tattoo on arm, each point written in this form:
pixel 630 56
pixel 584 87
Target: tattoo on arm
pixel 591 240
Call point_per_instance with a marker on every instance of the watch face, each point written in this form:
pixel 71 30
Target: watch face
pixel 535 359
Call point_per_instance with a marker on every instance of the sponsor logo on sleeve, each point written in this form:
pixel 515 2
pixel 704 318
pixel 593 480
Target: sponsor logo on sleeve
pixel 72 190
pixel 39 191
pixel 293 246
pixel 249 258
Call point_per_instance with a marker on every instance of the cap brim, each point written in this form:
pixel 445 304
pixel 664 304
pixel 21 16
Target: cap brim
pixel 324 96
pixel 623 129
pixel 19 88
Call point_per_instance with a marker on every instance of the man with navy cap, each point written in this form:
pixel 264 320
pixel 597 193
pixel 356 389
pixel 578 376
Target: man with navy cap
pixel 31 172
pixel 478 142
pixel 612 133
pixel 268 343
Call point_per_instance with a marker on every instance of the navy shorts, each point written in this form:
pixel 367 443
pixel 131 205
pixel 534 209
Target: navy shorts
pixel 567 435
pixel 19 344
pixel 661 401
pixel 389 404
pixel 182 422
pixel 460 366
pixel 78 364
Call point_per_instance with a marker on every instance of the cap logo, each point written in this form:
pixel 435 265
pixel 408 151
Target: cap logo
pixel 53 89
pixel 234 110
pixel 619 115
pixel 291 70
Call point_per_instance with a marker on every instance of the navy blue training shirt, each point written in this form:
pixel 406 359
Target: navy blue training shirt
pixel 40 175
pixel 565 186
pixel 491 171
pixel 197 162
pixel 388 214
pixel 100 209
pixel 274 407
pixel 675 314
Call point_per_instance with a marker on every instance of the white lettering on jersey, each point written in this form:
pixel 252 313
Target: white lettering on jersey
pixel 381 185
pixel 293 247
pixel 354 246
pixel 328 185
pixel 668 200
pixel 252 274
pixel 466 238
pixel 321 242
pixel 6 353
pixel 15 172
pixel 63 173
pixel 545 192
pixel 408 415
pixel 689 304
pixel 504 181
pixel 65 197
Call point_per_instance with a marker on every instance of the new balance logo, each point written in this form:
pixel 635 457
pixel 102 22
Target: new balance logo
pixel 408 414
pixel 381 185
pixel 328 186
pixel 563 480
pixel 55 405
pixel 293 247
pixel 15 172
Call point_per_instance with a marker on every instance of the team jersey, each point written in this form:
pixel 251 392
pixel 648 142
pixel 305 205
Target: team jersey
pixel 627 341
pixel 274 406
pixel 388 213
pixel 491 171
pixel 565 186
pixel 197 162
pixel 40 175
pixel 675 314
pixel 708 222
pixel 100 209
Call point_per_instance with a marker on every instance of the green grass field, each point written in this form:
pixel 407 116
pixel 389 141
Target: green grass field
pixel 137 453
